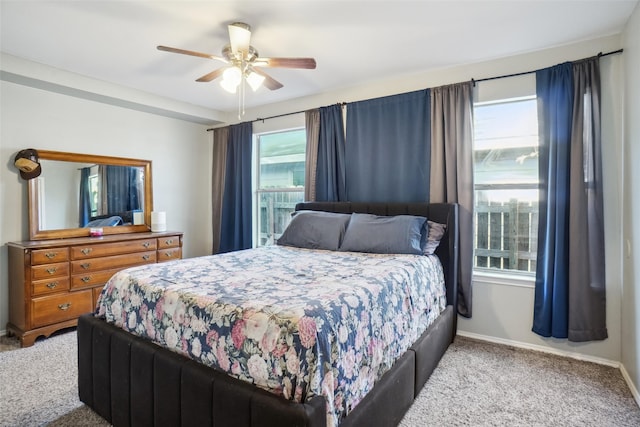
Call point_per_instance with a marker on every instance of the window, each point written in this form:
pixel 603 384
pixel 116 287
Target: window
pixel 280 181
pixel 94 191
pixel 506 185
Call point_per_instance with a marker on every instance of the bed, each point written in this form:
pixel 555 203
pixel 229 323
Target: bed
pixel 130 380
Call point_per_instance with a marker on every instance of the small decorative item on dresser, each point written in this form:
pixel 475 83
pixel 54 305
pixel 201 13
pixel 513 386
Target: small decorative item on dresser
pixel 158 221
pixel 138 217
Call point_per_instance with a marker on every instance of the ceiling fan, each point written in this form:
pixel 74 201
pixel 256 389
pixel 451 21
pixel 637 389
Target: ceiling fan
pixel 243 62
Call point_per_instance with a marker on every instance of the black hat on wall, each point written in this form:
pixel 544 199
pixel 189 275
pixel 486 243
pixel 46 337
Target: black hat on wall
pixel 28 163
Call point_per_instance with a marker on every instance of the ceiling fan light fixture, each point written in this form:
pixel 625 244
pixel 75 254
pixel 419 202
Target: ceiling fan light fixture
pixel 231 78
pixel 229 87
pixel 255 80
pixel 240 36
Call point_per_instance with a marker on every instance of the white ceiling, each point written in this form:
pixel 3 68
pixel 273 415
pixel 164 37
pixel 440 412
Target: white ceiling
pixel 352 41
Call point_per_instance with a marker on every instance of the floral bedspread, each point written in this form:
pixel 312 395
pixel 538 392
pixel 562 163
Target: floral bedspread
pixel 296 322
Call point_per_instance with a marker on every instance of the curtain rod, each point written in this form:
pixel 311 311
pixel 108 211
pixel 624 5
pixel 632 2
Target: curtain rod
pixel 267 118
pixel 474 81
pixel 262 119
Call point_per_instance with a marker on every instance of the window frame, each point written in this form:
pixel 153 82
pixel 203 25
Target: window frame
pixel 256 190
pixel 491 274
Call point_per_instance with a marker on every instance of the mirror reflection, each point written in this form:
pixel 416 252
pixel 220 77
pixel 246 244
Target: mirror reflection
pixel 77 192
pixel 89 195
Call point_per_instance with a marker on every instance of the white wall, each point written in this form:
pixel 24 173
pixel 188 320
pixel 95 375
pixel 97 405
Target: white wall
pixel 180 152
pixel 631 230
pixel 503 310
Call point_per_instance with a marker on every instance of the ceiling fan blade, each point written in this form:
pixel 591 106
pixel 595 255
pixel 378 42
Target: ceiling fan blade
pixel 239 36
pixel 307 63
pixel 212 75
pixel 191 53
pixel 269 82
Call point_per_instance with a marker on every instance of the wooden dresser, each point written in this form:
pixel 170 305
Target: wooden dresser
pixel 52 282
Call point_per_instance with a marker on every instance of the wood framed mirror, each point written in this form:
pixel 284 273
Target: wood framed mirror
pixel 117 195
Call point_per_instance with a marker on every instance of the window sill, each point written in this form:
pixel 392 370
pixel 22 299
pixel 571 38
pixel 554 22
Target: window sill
pixel 488 277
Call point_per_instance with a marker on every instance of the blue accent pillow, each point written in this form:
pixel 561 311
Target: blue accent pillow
pixel 315 230
pixel 400 234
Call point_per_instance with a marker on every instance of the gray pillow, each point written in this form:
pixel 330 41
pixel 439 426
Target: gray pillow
pixel 436 231
pixel 401 234
pixel 315 230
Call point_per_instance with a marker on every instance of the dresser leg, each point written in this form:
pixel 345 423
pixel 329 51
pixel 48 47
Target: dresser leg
pixel 28 338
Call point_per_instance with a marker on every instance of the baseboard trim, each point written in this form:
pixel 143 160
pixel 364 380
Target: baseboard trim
pixel 630 384
pixel 541 348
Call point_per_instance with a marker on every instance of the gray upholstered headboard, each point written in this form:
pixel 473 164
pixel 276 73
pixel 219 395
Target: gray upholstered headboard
pixel 443 213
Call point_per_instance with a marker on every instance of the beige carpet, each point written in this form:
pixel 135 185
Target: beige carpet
pixel 476 384
pixel 483 384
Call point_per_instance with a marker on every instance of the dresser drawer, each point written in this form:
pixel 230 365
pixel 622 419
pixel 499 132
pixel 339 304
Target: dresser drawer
pixel 48 286
pixel 48 271
pixel 47 256
pixel 57 308
pixel 168 242
pixel 112 262
pixel 169 254
pixel 89 280
pixel 106 249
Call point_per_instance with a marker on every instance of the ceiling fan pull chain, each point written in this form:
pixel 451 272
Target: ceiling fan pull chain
pixel 240 99
pixel 242 88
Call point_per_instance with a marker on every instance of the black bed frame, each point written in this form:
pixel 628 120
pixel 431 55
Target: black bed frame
pixel 131 381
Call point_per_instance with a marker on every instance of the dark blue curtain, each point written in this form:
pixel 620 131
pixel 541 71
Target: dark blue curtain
pixel 387 153
pixel 330 169
pixel 570 289
pixel 85 198
pixel 235 233
pixel 122 189
pixel 554 87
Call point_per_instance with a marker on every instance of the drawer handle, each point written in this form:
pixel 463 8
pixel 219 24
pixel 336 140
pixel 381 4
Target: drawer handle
pixel 86 251
pixel 145 257
pixel 168 242
pixel 51 255
pixel 52 270
pixel 64 307
pixel 85 279
pixel 52 285
pixel 168 254
pixel 86 265
pixel 146 245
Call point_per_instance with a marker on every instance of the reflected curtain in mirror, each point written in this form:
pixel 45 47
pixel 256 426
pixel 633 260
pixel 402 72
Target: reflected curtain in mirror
pixel 110 190
pixel 85 197
pixel 123 191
